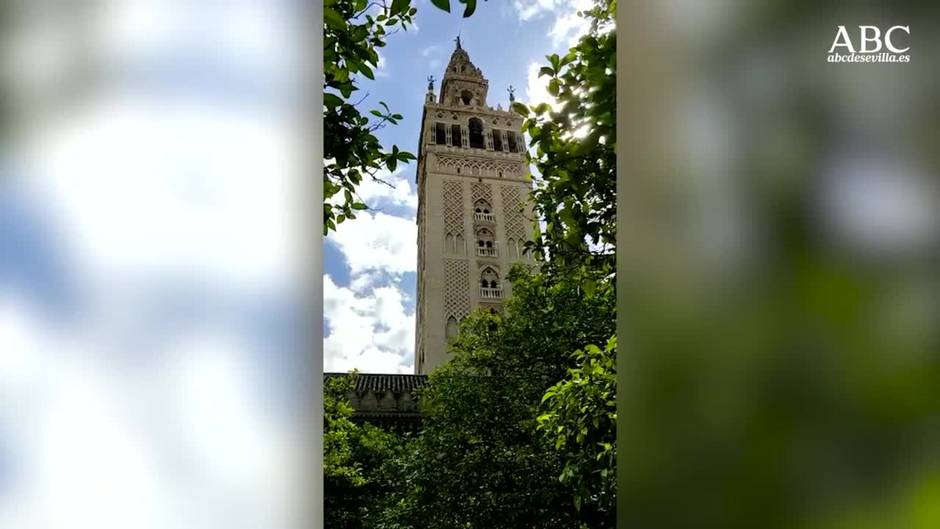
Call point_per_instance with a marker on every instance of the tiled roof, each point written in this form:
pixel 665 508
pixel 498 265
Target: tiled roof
pixel 380 383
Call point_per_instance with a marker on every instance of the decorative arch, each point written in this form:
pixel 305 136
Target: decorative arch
pixel 451 328
pixel 489 278
pixel 485 238
pixel 482 206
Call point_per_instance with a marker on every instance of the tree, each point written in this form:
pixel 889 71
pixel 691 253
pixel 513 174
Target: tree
pixel 359 461
pixel 580 424
pixel 481 461
pixel 573 148
pixel 351 151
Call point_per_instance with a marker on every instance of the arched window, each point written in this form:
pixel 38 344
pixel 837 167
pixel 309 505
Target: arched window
pixel 497 140
pixel 486 244
pixel 511 140
pixel 455 135
pixel 466 97
pixel 452 327
pixel 476 133
pixel 441 134
pixel 489 284
pixel 482 211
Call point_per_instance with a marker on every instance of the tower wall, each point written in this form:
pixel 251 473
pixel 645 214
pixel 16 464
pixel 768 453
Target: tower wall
pixel 474 213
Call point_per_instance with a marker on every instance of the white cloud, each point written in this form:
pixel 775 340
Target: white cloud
pixel 367 330
pixel 369 325
pixel 378 242
pixel 567 26
pixel 433 50
pixel 397 191
pixel 381 69
pixel 527 9
pixel 537 87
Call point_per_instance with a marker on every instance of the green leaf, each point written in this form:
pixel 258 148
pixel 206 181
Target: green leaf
pixel 589 286
pixel 442 4
pixel 399 6
pixel 471 7
pixel 359 206
pixel 553 87
pixel 331 100
pixel 520 108
pixel 333 19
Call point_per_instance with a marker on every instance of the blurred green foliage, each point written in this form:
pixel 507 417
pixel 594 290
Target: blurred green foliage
pixel 781 374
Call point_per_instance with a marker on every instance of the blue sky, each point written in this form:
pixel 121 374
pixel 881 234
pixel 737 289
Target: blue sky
pixel 369 287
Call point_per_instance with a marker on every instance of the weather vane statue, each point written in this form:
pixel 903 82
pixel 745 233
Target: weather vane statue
pixel 457 40
pixel 512 93
pixel 430 83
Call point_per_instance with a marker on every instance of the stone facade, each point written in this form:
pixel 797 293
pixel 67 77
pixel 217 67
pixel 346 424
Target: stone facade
pixel 389 401
pixel 474 215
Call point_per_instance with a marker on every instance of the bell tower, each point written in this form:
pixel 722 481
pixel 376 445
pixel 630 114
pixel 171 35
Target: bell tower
pixel 474 214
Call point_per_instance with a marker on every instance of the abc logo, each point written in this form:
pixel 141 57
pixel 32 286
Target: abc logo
pixel 870 39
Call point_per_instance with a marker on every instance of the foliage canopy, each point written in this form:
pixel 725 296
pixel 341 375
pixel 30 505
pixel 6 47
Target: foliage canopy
pixel 481 460
pixel 572 146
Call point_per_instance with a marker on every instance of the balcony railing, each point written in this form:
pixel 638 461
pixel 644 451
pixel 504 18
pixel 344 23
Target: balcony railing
pixel 491 293
pixel 484 217
pixel 487 252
